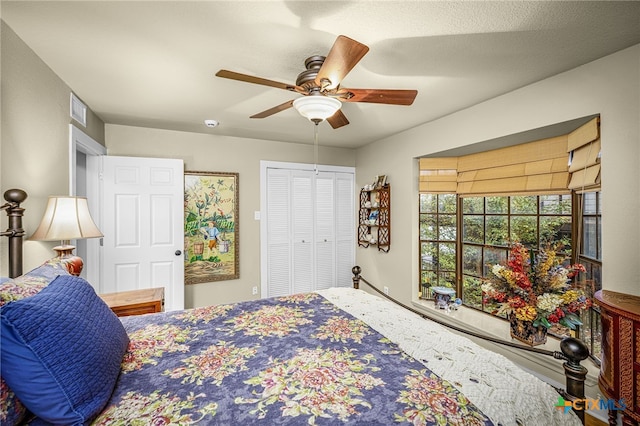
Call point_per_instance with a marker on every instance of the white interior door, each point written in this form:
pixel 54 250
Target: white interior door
pixel 143 226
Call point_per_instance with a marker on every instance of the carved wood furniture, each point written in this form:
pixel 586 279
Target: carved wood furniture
pixel 620 369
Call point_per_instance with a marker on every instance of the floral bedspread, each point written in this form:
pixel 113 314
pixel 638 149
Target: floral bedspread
pixel 295 360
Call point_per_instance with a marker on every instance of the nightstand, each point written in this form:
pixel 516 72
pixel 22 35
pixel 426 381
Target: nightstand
pixel 135 302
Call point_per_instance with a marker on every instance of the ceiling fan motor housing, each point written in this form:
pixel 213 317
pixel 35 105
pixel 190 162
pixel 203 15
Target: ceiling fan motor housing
pixel 307 77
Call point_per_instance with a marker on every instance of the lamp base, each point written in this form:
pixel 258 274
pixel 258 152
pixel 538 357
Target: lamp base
pixel 71 262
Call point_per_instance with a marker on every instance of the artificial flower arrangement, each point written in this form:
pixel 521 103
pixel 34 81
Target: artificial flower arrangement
pixel 536 289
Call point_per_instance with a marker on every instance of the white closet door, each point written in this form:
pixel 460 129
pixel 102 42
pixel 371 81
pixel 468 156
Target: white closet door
pixel 308 228
pixel 302 203
pixel 325 231
pixel 345 233
pixel 278 245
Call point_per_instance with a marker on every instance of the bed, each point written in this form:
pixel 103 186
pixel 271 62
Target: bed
pixel 334 356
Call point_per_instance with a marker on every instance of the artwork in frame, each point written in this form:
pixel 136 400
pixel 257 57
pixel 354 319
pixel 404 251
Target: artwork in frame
pixel 210 227
pixel 381 181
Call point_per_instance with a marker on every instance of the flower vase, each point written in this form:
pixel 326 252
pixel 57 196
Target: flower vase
pixel 527 333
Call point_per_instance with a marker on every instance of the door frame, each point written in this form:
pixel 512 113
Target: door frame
pixel 87 177
pixel 264 166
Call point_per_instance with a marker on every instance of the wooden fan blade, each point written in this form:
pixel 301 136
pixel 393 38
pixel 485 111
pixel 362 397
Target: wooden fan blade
pixel 338 119
pixel 258 80
pixel 378 96
pixel 273 110
pixel 343 56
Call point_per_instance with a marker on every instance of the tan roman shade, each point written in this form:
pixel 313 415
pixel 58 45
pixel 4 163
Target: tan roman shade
pixel 439 175
pixel 584 153
pixel 535 167
pixel 539 167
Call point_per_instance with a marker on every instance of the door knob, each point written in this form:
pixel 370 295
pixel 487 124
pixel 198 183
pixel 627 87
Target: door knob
pixel 178 252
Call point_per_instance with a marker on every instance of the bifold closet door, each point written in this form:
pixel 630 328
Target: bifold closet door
pixel 310 230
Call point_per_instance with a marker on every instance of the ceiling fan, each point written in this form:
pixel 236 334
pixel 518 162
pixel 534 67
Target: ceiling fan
pixel 321 82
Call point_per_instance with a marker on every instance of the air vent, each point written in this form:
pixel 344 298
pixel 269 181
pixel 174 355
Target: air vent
pixel 78 110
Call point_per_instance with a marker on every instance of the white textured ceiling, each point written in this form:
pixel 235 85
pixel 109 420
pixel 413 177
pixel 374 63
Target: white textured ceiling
pixel 152 63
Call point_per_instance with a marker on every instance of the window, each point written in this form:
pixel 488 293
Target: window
pixel 590 255
pixel 473 206
pixel 438 235
pixel 490 224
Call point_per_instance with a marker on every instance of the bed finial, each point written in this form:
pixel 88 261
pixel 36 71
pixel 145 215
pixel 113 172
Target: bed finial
pixel 15 196
pixel 575 350
pixel 356 276
pixel 15 232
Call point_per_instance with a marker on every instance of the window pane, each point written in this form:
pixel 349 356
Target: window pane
pixel 447 257
pixel 428 278
pixel 555 204
pixel 428 255
pixel 447 279
pixel 428 227
pixel 497 205
pixel 428 203
pixel 524 204
pixel 472 292
pixel 496 232
pixel 493 256
pixel 472 205
pixel 447 203
pixel 472 229
pixel 589 205
pixel 599 224
pixel 472 260
pixel 589 237
pixel 447 227
pixel 525 230
pixel 555 228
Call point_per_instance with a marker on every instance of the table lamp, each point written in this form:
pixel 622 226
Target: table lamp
pixel 66 219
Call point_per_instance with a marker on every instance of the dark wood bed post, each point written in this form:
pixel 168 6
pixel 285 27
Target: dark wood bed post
pixel 356 276
pixel 15 232
pixel 573 350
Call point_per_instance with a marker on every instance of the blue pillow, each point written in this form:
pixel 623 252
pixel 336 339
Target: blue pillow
pixel 61 351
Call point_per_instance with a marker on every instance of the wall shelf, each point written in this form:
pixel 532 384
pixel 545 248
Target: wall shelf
pixel 374 225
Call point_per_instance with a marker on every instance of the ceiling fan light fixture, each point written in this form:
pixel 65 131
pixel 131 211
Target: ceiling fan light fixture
pixel 317 108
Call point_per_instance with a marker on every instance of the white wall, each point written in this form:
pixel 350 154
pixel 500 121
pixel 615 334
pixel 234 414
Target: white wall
pixel 609 86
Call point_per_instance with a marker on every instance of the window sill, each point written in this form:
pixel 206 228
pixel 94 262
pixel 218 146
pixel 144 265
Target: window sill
pixel 545 367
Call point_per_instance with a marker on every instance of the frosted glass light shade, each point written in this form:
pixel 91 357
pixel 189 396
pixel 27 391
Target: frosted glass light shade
pixel 66 218
pixel 317 108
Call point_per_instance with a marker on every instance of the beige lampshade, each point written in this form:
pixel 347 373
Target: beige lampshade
pixel 66 218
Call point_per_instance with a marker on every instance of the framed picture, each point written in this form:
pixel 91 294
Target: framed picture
pixel 381 181
pixel 210 227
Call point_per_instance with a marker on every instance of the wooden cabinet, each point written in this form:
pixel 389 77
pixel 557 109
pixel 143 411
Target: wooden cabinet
pixel 620 368
pixel 374 226
pixel 135 302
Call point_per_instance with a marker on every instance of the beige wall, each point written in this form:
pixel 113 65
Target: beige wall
pixel 34 140
pixel 609 87
pixel 205 152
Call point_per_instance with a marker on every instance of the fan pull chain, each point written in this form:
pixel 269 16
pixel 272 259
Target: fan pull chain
pixel 315 148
